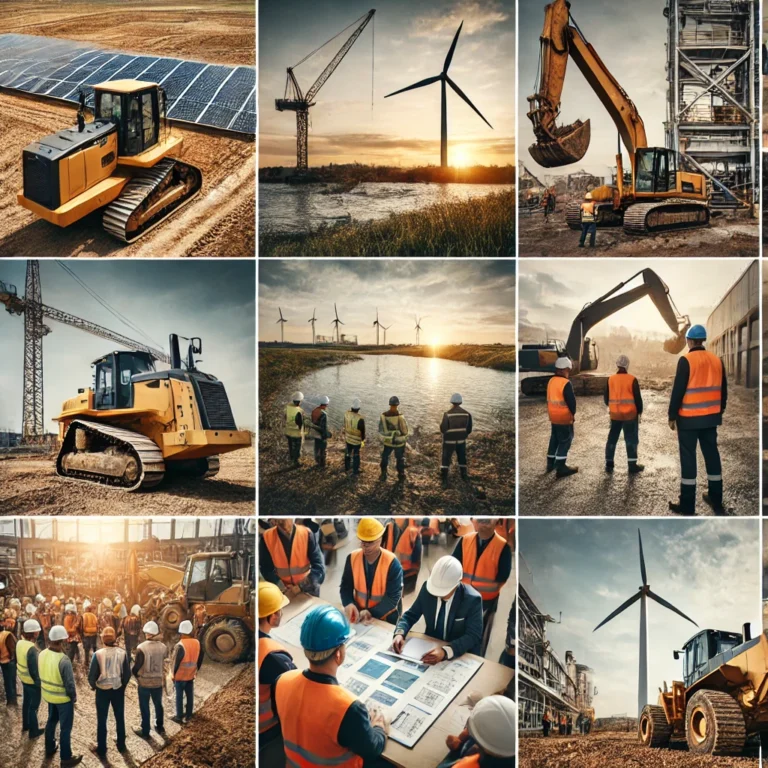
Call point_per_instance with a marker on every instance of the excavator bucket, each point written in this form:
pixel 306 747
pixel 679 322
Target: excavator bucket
pixel 676 344
pixel 570 146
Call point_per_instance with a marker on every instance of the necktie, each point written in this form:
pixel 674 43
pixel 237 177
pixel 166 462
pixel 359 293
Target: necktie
pixel 441 620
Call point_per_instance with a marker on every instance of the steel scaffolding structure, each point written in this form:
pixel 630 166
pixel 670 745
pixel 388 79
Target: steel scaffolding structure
pixel 34 330
pixel 713 75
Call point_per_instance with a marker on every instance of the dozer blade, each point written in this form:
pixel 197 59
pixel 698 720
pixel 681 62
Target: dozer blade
pixel 570 146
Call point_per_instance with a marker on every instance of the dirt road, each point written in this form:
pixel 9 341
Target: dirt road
pixel 594 492
pixel 29 486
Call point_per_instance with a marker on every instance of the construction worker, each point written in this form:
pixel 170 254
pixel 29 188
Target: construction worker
pixel 273 658
pixel 148 670
pixel 73 626
pixel 8 658
pixel 131 629
pixel 109 675
pixel 561 405
pixel 57 685
pixel 321 721
pixel 372 581
pixel 393 430
pixel 588 221
pixel 696 407
pixel 26 664
pixel 45 617
pixel 492 725
pixel 106 615
pixel 290 557
pixel 90 631
pixel 455 427
pixel 546 724
pixel 354 437
pixel 319 426
pixel 403 538
pixel 187 660
pixel 452 611
pixel 294 428
pixel 625 407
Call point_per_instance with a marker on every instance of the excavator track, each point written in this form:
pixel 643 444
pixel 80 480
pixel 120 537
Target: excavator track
pixel 675 213
pixel 606 216
pixel 150 197
pixel 143 459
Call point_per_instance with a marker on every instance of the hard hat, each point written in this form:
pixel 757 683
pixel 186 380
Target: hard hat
pixel 325 400
pixel 325 627
pixel 118 600
pixel 136 610
pixel 622 361
pixel 39 599
pixel 151 628
pixel 30 609
pixel 57 633
pixel 106 602
pixel 588 196
pixel 456 398
pixel 563 362
pixel 493 725
pixel 697 333
pixel 445 576
pixel 108 633
pixel 356 404
pixel 185 628
pixel 394 400
pixel 69 608
pixel 297 397
pixel 31 625
pixel 86 604
pixel 271 599
pixel 369 529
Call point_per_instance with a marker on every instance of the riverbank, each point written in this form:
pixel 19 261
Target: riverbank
pixel 276 366
pixel 496 356
pixel 482 226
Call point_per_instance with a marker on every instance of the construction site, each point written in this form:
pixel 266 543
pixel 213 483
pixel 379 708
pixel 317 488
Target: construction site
pixel 126 574
pixel 611 318
pixel 698 190
pixel 187 172
pixel 108 430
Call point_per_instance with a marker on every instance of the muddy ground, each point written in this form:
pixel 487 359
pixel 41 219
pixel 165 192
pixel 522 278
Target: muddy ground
pixel 29 486
pixel 594 492
pixel 610 750
pixel 728 235
pixel 221 221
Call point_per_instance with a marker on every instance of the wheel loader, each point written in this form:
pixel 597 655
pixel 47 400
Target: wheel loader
pixel 119 162
pixel 722 699
pixel 136 423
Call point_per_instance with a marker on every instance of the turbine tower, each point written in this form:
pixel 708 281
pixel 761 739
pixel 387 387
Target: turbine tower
pixel 313 320
pixel 376 325
pixel 336 323
pixel 281 321
pixel 444 78
pixel 642 595
pixel 386 328
pixel 418 328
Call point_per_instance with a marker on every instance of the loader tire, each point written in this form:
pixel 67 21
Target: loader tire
pixel 714 724
pixel 227 641
pixel 653 730
pixel 171 617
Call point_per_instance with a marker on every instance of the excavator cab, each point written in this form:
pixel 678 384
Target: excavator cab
pixel 134 106
pixel 655 170
pixel 113 388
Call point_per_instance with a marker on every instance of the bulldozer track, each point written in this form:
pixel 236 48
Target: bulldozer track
pixel 148 455
pixel 213 466
pixel 653 729
pixel 727 722
pixel 646 218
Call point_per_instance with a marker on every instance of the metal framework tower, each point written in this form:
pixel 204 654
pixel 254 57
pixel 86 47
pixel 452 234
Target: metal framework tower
pixel 34 330
pixel 713 75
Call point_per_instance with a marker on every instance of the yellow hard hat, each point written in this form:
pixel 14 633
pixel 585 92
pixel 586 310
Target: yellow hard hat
pixel 271 599
pixel 369 529
pixel 588 196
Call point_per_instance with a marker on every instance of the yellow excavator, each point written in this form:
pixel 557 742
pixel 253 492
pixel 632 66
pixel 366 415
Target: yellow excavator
pixel 120 162
pixel 660 194
pixel 136 422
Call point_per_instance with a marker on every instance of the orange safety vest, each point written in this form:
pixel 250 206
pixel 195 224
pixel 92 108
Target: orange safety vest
pixel 363 599
pixel 267 718
pixel 5 654
pixel 72 625
pixel 90 624
pixel 621 397
pixel 482 573
pixel 188 668
pixel 311 717
pixel 704 391
pixel 298 569
pixel 404 548
pixel 473 761
pixel 559 412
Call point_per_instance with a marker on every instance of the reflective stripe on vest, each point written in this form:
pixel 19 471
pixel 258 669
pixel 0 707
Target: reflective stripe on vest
pixel 188 668
pixel 458 423
pixel 392 432
pixel 5 654
pixel 482 574
pixel 110 660
pixel 559 412
pixel 403 550
pixel 267 718
pixel 310 717
pixel 22 649
pixel 51 682
pixel 621 397
pixel 292 429
pixel 703 395
pixel 352 434
pixel 151 673
pixel 298 569
pixel 363 599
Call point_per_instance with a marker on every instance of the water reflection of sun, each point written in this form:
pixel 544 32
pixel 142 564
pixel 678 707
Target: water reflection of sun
pixel 434 365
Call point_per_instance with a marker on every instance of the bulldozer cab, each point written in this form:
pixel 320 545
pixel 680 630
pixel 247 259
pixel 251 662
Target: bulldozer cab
pixel 113 387
pixel 209 576
pixel 134 106
pixel 705 652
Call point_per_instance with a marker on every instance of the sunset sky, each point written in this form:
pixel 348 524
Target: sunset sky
pixel 411 43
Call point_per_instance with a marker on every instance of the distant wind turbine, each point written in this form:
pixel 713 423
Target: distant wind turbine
pixel 336 323
pixel 313 320
pixel 386 328
pixel 376 325
pixel 418 328
pixel 281 321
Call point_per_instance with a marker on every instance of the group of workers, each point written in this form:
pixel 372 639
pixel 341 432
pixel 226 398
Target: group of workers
pixel 40 642
pixel 320 722
pixel 393 432
pixel 696 406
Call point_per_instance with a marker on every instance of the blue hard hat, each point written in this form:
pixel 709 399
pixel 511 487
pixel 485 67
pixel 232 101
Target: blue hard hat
pixel 696 332
pixel 325 627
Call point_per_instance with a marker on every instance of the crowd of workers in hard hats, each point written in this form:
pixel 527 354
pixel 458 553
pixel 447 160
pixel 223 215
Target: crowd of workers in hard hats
pixel 696 406
pixel 393 432
pixel 41 641
pixel 309 717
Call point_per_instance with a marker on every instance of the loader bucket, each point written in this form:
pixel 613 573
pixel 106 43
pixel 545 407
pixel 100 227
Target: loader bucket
pixel 570 146
pixel 676 344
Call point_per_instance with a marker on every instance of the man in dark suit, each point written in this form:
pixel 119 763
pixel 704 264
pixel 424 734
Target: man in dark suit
pixel 452 611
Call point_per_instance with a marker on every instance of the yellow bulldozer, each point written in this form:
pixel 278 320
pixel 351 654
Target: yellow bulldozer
pixel 722 699
pixel 120 161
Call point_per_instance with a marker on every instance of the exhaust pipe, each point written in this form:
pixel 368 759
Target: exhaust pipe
pixel 173 343
pixel 746 630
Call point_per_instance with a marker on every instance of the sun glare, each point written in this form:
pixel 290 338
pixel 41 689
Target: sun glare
pixel 460 159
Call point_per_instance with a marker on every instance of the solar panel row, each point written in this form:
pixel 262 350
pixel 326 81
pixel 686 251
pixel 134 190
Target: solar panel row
pixel 207 94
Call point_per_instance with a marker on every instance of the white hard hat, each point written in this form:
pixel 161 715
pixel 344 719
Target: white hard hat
pixel 445 577
pixel 39 599
pixel 622 361
pixel 106 602
pixel 30 609
pixel 325 400
pixel 118 600
pixel 356 404
pixel 456 398
pixel 136 610
pixel 151 628
pixel 86 604
pixel 57 633
pixel 185 628
pixel 69 608
pixel 493 725
pixel 31 625
pixel 563 362
pixel 297 397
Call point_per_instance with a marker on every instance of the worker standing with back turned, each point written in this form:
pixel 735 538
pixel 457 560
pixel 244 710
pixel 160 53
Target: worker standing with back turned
pixel 455 427
pixel 319 425
pixel 625 406
pixel 290 557
pixel 561 406
pixel 393 430
pixel 696 407
pixel 588 221
pixel 294 428
pixel 187 660
pixel 354 437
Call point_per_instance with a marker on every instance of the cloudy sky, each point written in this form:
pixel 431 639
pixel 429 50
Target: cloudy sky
pixel 552 292
pixel 709 569
pixel 629 36
pixel 460 301
pixel 211 299
pixel 411 43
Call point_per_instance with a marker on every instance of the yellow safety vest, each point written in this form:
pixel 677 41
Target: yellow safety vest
pixel 394 431
pixel 51 682
pixel 291 428
pixel 22 649
pixel 352 434
pixel 588 212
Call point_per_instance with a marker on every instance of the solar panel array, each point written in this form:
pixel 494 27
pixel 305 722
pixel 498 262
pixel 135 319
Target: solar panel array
pixel 207 94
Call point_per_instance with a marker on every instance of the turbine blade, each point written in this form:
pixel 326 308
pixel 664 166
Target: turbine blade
pixel 420 84
pixel 622 607
pixel 662 601
pixel 449 57
pixel 642 560
pixel 466 98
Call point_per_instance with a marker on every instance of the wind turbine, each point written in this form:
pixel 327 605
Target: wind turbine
pixel 313 320
pixel 376 325
pixel 643 593
pixel 443 78
pixel 418 328
pixel 336 322
pixel 281 321
pixel 386 328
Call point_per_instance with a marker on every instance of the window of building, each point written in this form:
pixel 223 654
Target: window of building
pixel 66 530
pixel 8 528
pixel 44 529
pixel 186 527
pixel 161 529
pixel 207 527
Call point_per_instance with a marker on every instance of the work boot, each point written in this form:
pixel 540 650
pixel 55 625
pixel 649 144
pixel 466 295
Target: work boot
pixel 36 734
pixel 550 465
pixel 444 477
pixel 140 733
pixel 95 749
pixel 401 477
pixel 179 720
pixel 680 510
pixel 609 467
pixel 464 474
pixel 634 468
pixel 581 245
pixel 566 471
pixel 717 507
pixel 74 760
pixel 383 476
